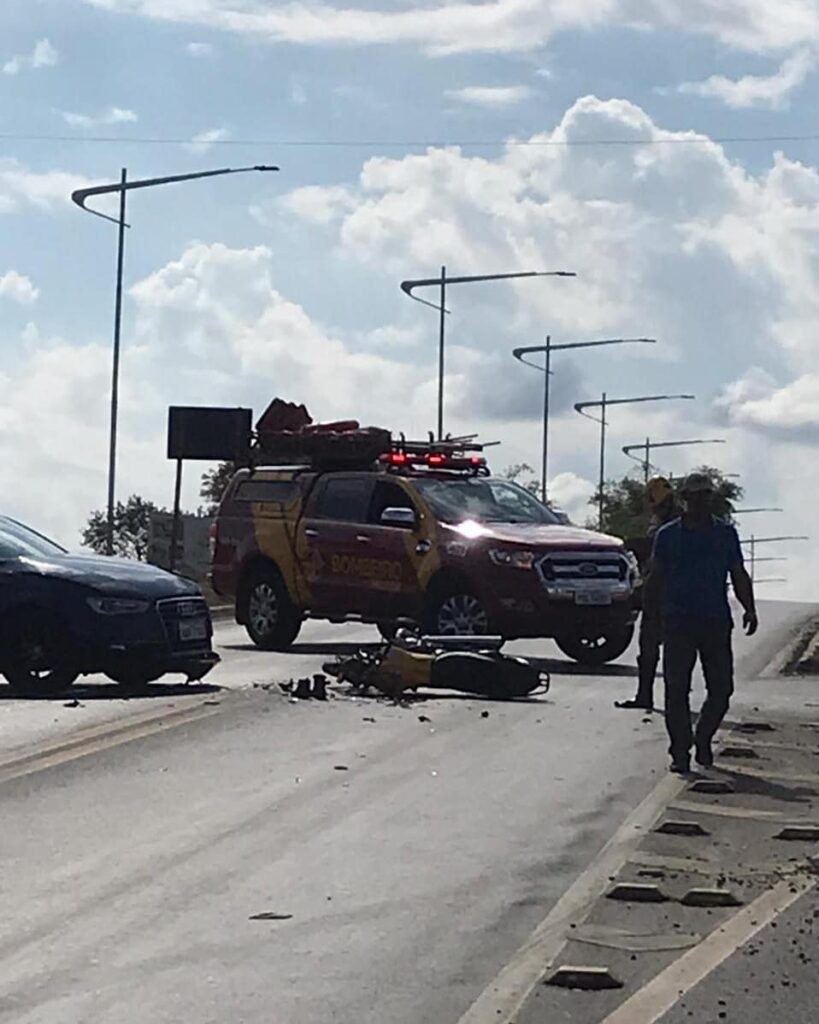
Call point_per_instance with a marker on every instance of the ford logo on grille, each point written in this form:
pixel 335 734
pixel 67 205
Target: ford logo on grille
pixel 588 569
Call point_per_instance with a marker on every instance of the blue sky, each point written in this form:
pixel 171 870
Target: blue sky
pixel 244 287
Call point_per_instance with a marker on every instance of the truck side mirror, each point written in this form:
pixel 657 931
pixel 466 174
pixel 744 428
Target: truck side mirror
pixel 404 518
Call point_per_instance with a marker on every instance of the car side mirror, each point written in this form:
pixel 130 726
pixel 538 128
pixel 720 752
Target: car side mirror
pixel 404 518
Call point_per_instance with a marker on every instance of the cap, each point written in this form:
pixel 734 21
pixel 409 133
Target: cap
pixel 697 483
pixel 658 490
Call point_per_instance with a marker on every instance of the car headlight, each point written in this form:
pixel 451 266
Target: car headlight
pixel 118 605
pixel 514 559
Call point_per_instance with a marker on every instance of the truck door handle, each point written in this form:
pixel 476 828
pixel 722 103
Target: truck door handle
pixel 311 533
pixel 362 538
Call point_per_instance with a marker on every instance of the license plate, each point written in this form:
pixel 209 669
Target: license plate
pixel 595 597
pixel 196 629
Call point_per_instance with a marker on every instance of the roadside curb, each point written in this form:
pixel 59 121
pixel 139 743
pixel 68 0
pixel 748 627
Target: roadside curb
pixel 221 612
pixel 801 655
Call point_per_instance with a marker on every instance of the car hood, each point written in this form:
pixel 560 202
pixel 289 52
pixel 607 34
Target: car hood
pixel 537 535
pixel 114 575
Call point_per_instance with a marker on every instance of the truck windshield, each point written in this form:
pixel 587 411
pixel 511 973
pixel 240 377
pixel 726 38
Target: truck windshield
pixel 17 541
pixel 484 500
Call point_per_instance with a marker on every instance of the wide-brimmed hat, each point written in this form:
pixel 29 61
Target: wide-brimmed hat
pixel 697 483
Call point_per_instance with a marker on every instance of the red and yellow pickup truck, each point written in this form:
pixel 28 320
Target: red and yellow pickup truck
pixel 428 536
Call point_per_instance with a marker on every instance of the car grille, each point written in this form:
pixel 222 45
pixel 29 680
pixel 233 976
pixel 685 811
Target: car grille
pixel 177 615
pixel 581 567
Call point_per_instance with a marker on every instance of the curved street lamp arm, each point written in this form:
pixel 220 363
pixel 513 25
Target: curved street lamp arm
pixel 81 195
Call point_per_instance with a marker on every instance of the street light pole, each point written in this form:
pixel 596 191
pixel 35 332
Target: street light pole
pixel 80 197
pixel 579 407
pixel 408 287
pixel 752 541
pixel 547 349
pixel 441 344
pixel 649 444
pixel 112 439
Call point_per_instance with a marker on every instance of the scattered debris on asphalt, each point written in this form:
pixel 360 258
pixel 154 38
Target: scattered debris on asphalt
pixel 270 915
pixel 73 704
pixel 587 979
pixel 484 714
pixel 340 768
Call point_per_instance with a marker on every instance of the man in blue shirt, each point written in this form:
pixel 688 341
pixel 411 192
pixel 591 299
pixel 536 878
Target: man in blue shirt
pixel 693 558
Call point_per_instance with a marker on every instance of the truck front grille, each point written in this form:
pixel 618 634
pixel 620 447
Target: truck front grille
pixel 580 567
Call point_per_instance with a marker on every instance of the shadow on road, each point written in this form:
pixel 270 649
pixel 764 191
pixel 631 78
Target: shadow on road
pixel 110 691
pixel 556 666
pixel 305 649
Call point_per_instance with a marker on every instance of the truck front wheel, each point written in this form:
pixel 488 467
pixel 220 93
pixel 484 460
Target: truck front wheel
pixel 455 611
pixel 596 648
pixel 271 619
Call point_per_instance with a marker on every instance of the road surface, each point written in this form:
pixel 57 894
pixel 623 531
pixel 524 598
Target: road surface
pixel 404 853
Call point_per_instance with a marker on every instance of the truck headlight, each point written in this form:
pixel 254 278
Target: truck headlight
pixel 514 559
pixel 118 605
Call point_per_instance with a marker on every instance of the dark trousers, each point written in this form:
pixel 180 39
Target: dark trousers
pixel 648 657
pixel 683 642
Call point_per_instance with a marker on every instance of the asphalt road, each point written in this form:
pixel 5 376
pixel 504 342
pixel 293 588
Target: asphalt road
pixel 410 850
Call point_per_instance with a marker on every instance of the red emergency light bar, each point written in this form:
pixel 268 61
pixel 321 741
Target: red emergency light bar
pixel 434 460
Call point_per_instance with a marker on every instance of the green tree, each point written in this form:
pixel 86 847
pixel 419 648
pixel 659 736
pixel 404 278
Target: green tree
pixel 625 509
pixel 213 486
pixel 132 522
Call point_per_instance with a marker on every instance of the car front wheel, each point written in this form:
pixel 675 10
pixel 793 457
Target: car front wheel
pixel 40 659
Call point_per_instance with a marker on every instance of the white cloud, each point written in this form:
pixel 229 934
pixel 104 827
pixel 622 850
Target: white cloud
pixel 236 340
pixel 452 26
pixel 18 288
pixel 771 91
pixel 202 142
pixel 43 190
pixel 113 115
pixel 571 493
pixel 200 49
pixel 316 204
pixel 44 55
pixel 297 93
pixel 492 97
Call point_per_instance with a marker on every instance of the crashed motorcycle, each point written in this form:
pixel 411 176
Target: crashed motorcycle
pixel 411 660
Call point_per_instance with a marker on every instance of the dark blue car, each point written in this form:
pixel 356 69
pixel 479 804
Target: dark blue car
pixel 64 615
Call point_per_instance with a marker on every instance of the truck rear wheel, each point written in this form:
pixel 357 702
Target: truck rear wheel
pixel 271 619
pixel 595 648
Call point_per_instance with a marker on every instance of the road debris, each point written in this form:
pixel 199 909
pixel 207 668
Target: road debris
pixel 710 898
pixel 682 828
pixel 270 915
pixel 584 978
pixel 636 892
pixel 340 768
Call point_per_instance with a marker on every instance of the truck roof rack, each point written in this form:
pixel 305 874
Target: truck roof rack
pixel 349 446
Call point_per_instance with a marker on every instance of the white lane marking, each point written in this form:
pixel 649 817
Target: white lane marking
pixel 504 996
pixel 664 991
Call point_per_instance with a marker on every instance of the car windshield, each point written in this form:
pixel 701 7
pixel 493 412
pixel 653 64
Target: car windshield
pixel 17 541
pixel 484 500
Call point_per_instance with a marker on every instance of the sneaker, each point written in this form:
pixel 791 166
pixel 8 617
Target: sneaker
pixel 704 755
pixel 637 704
pixel 681 767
